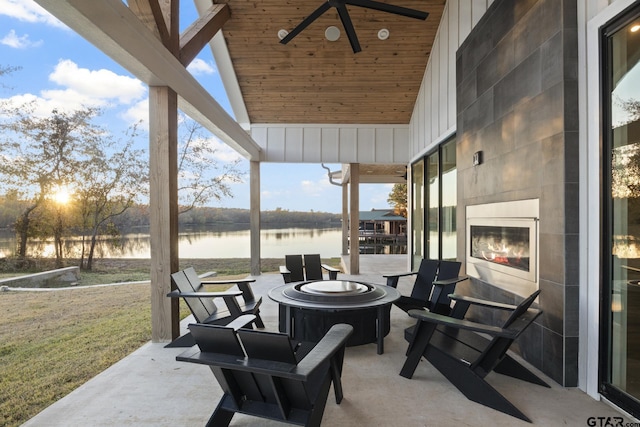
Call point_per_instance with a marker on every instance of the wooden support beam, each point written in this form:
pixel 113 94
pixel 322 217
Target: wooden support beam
pixel 163 210
pixel 150 14
pixel 254 216
pixel 160 19
pixel 345 219
pixel 354 220
pixel 200 33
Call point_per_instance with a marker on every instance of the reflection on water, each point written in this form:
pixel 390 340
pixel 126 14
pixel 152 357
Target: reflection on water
pixel 218 242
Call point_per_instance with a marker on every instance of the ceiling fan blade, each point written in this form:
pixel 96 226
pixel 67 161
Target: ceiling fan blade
pixel 305 22
pixel 398 10
pixel 348 28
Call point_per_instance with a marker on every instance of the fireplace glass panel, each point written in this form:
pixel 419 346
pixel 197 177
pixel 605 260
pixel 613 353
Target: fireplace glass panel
pixel 508 246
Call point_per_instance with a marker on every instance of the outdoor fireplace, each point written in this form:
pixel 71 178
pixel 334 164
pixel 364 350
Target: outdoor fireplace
pixel 502 245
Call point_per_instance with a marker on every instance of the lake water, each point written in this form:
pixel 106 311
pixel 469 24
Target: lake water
pixel 211 243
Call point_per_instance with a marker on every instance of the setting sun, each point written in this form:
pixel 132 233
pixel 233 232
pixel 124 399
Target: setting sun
pixel 61 195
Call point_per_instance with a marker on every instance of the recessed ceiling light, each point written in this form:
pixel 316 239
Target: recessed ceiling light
pixel 282 33
pixel 383 34
pixel 635 28
pixel 332 33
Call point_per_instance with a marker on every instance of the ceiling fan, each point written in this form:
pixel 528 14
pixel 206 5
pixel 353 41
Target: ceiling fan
pixel 341 7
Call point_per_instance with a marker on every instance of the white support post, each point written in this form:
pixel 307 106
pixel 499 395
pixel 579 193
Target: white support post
pixel 254 189
pixel 354 238
pixel 345 219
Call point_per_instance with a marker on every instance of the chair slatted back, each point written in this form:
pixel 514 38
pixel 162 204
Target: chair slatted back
pixel 424 280
pixel 295 266
pixel 446 270
pixel 275 347
pixel 313 267
pixel 201 308
pixel 216 339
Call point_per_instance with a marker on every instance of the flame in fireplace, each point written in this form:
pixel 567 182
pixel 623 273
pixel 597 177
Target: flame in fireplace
pixel 502 255
pixel 501 245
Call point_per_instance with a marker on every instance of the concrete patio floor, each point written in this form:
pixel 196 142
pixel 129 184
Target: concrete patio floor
pixel 150 388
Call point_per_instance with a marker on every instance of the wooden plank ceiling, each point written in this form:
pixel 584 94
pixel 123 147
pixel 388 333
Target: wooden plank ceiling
pixel 313 80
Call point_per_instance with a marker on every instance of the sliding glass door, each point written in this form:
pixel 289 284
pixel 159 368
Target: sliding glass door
pixel 434 200
pixel 417 212
pixel 620 370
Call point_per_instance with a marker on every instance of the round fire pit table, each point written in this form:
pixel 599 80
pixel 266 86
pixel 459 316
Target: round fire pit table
pixel 309 309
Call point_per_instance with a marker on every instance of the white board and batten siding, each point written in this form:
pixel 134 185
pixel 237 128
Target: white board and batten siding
pixel 434 114
pixel 332 143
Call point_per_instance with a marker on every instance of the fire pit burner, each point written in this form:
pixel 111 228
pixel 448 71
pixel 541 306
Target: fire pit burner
pixel 322 294
pixel 334 287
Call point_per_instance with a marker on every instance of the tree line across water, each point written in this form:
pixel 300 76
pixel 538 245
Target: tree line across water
pixel 138 216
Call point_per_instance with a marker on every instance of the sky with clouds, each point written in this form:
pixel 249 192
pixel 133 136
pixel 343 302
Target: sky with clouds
pixel 58 69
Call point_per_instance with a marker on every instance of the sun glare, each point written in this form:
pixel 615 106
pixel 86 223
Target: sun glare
pixel 61 195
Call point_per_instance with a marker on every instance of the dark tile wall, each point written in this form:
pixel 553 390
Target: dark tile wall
pixel 517 103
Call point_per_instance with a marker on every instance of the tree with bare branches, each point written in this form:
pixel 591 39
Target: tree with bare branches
pixel 201 176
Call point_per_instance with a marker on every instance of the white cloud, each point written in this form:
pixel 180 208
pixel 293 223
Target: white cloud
pixel 81 87
pixel 199 67
pixel 316 188
pixel 138 113
pixel 18 42
pixel 42 106
pixel 224 153
pixel 28 11
pixel 100 84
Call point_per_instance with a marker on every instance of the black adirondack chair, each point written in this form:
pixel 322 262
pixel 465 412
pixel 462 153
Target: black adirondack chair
pixel 265 376
pixel 247 302
pixel 297 270
pixel 435 280
pixel 451 346
pixel 235 303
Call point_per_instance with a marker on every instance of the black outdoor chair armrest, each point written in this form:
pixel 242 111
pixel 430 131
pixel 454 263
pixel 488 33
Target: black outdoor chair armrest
pixel 241 321
pixel 333 272
pixel 227 282
pixel 468 325
pixel 482 302
pixel 286 274
pixel 332 341
pixel 410 273
pixel 451 281
pixel 463 302
pixel 178 294
pixel 253 365
pixel 392 279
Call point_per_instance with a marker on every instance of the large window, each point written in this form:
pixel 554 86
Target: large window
pixel 448 201
pixel 620 373
pixel 433 207
pixel 417 212
pixel 434 199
